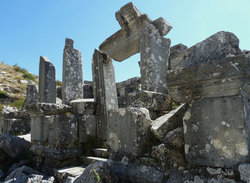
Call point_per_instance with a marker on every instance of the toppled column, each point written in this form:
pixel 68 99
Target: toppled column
pixel 72 86
pixel 154 63
pixel 47 81
pixel 139 33
pixel 104 89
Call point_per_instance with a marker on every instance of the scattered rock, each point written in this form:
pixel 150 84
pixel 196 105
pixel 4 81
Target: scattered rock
pixel 244 170
pixel 175 138
pixel 23 81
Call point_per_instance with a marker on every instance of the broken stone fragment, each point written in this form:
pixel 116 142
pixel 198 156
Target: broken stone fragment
pixel 32 94
pixel 83 106
pixel 47 81
pixel 162 26
pixel 218 46
pixel 164 124
pixel 175 54
pixel 72 84
pixel 175 138
pixel 244 170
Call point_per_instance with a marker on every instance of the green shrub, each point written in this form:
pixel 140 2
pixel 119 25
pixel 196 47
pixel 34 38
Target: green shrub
pixel 29 76
pixel 97 177
pixel 58 83
pixel 19 69
pixel 18 103
pixel 4 94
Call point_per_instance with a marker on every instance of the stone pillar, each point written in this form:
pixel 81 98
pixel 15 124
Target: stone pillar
pixel 72 85
pixel 31 94
pixel 155 50
pixel 47 81
pixel 104 89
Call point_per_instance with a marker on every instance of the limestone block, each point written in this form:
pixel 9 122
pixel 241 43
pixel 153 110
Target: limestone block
pixel 162 25
pixel 127 14
pixel 216 131
pixel 154 63
pixel 87 128
pixel 47 81
pixel 32 94
pixel 83 106
pixel 175 53
pixel 218 46
pixel 104 89
pixel 175 138
pixel 15 126
pixel 88 91
pixel 129 130
pixel 220 78
pixel 128 86
pixel 152 101
pixel 244 170
pixel 72 85
pixel 168 122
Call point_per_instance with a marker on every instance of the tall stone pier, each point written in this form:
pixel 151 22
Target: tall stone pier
pixel 47 81
pixel 72 85
pixel 104 90
pixel 139 34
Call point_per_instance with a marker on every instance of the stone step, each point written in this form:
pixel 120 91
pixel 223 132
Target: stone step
pixel 91 159
pixel 68 173
pixel 101 152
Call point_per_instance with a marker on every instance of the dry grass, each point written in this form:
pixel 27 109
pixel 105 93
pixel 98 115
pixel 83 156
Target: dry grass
pixel 12 79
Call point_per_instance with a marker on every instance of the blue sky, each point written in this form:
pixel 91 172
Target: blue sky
pixel 30 28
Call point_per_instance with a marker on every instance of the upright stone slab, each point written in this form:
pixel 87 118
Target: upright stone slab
pixel 31 95
pixel 154 63
pixel 104 89
pixel 47 81
pixel 72 86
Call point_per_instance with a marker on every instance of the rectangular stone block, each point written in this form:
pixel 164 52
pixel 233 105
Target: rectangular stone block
pixel 87 128
pixel 72 85
pixel 154 63
pixel 104 89
pixel 216 131
pixel 152 101
pixel 83 106
pixel 47 81
pixel 129 130
pixel 164 124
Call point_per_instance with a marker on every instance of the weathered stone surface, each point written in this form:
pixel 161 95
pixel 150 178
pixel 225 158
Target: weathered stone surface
pixel 87 128
pixel 26 175
pixel 175 138
pixel 244 170
pixel 164 124
pixel 32 94
pixel 83 106
pixel 223 135
pixel 162 26
pixel 88 90
pixel 127 14
pixel 154 63
pixel 68 174
pixel 72 85
pixel 13 146
pixel 153 101
pixel 47 109
pixel 219 78
pixel 97 172
pixel 15 126
pixel 136 173
pixel 175 52
pixel 104 89
pixel 128 130
pixel 56 157
pixel 218 46
pixel 128 86
pixel 47 81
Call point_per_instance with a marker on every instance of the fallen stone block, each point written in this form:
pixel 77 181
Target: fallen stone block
pixel 175 138
pixel 215 135
pixel 15 126
pixel 129 130
pixel 164 124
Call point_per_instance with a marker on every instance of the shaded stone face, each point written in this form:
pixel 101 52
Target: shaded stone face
pixel 31 95
pixel 72 73
pixel 216 131
pixel 129 130
pixel 104 89
pixel 47 81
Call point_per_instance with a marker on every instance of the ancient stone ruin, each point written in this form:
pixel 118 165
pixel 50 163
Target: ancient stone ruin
pixel 185 119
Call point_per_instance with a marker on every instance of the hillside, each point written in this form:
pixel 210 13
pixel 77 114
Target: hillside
pixel 14 80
